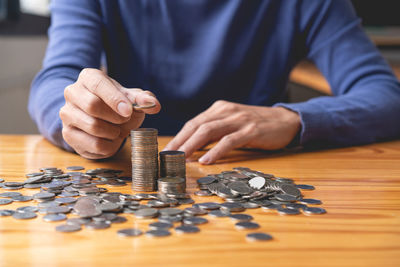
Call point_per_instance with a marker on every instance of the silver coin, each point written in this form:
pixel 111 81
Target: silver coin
pixel 78 221
pixel 54 217
pixel 98 225
pixel 187 229
pixel 287 211
pixel 129 232
pixel 290 189
pixel 146 213
pixel 208 205
pixel 4 212
pixel 258 237
pixel 314 210
pixel 5 201
pixel 28 208
pixel 195 221
pixel 119 219
pixel 68 228
pixel 195 211
pixel 286 198
pixel 1 180
pixel 24 215
pixel 10 194
pixel 22 198
pixel 57 209
pixel 75 168
pixel 158 233
pixel 44 195
pixel 219 213
pixel 310 201
pixel 170 212
pixel 231 207
pixel 109 207
pixel 305 187
pixel 206 180
pixel 257 182
pixel 246 225
pixel 160 225
pixel 13 184
pixel 65 200
pixel 250 205
pixel 241 217
pixel 203 193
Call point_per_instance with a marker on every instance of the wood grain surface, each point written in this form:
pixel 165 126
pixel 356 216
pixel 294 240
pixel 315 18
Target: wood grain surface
pixel 307 74
pixel 359 187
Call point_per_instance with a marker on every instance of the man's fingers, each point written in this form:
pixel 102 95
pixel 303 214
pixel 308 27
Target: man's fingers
pixel 72 116
pixel 188 130
pixel 226 144
pixel 143 98
pixel 207 133
pixel 99 84
pixel 86 144
pixel 91 104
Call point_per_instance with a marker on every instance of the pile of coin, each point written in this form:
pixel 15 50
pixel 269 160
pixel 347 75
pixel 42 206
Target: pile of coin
pixel 246 188
pixel 144 159
pixel 95 208
pixel 172 164
pixel 172 186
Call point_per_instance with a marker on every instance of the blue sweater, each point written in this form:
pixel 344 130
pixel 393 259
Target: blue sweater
pixel 191 53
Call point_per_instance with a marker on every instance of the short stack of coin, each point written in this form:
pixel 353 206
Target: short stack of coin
pixel 144 159
pixel 172 164
pixel 172 185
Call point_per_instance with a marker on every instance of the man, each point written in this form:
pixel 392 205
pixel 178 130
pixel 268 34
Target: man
pixel 219 69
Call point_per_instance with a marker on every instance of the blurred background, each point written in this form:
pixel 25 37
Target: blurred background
pixel 23 40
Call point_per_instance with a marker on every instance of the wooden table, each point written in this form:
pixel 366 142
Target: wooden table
pixel 307 74
pixel 359 187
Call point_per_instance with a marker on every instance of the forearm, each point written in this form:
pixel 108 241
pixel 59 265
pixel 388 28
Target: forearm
pixel 366 114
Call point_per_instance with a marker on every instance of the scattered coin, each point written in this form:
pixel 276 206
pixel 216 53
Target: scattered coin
pixel 287 211
pixel 10 194
pixel 258 237
pixel 160 225
pixel 97 225
pixel 195 221
pixel 129 232
pixel 146 213
pixel 4 213
pixel 246 225
pixel 219 213
pixel 305 187
pixel 187 229
pixel 22 198
pixel 5 201
pixel 314 210
pixel 24 215
pixel 158 233
pixel 241 217
pixel 78 221
pixel 54 217
pixel 68 228
pixel 75 168
pixel 28 209
pixel 310 201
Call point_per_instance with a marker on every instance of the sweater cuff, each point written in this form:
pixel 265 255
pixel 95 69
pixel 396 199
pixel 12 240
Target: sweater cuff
pixel 313 120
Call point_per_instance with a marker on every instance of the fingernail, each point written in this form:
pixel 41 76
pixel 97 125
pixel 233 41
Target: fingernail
pixel 124 109
pixel 205 159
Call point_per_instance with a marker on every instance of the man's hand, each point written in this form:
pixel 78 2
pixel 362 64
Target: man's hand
pixel 236 125
pixel 98 114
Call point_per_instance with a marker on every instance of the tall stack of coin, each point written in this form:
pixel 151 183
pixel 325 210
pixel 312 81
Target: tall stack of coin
pixel 144 159
pixel 172 164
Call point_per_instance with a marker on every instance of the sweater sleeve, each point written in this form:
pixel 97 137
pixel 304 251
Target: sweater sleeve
pixel 74 43
pixel 365 106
